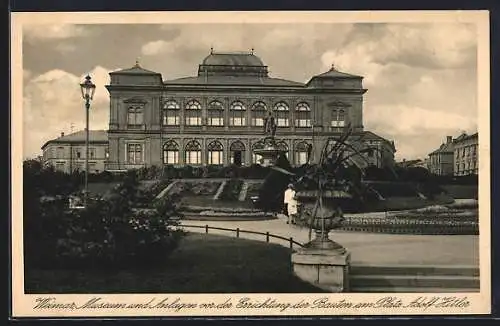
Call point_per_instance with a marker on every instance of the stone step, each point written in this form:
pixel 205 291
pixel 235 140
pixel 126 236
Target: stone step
pixel 372 289
pixel 414 281
pixel 414 270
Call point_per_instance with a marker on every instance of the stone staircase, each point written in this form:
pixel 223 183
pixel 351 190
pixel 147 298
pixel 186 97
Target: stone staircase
pixel 424 279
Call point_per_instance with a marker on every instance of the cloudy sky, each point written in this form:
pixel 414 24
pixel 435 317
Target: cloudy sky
pixel 421 78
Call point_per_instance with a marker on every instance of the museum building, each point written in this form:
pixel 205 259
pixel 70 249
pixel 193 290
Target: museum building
pixel 217 116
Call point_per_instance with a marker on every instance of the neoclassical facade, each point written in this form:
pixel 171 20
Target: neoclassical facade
pixel 217 116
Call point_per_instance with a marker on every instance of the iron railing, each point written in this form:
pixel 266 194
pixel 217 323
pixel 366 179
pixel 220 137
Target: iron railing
pixel 291 242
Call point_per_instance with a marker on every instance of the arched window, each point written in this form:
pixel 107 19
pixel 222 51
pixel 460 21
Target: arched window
pixel 256 157
pixel 135 116
pixel 171 113
pixel 170 152
pixel 237 114
pixel 283 147
pixel 282 114
pixel 193 152
pixel 193 113
pixel 258 113
pixel 301 152
pixel 215 153
pixel 338 118
pixel 215 114
pixel 237 153
pixel 302 115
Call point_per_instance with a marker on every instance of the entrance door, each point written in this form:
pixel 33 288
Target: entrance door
pixel 237 157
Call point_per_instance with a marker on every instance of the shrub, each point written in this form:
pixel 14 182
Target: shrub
pixel 105 234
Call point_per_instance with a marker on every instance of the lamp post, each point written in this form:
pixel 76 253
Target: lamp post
pixel 88 90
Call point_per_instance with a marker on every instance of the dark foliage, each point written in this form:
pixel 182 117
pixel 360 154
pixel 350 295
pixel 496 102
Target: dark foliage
pixel 272 190
pixel 108 233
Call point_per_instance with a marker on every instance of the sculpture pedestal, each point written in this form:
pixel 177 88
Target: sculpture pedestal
pixel 327 269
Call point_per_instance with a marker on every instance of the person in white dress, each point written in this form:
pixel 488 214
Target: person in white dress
pixel 290 204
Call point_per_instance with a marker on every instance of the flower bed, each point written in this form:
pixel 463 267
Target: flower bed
pixel 195 188
pixel 411 225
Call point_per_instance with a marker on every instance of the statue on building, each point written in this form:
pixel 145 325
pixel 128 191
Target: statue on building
pixel 269 125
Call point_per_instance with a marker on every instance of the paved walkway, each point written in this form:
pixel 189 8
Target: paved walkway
pixel 367 248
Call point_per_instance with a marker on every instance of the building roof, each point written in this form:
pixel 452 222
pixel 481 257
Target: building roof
pixel 233 80
pixel 95 136
pixel 444 149
pixel 135 70
pixel 232 59
pixel 464 136
pixel 334 73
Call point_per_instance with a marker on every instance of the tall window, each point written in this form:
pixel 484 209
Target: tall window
pixel 171 111
pixel 282 114
pixel 303 115
pixel 135 116
pixel 134 152
pixel 60 152
pixel 258 114
pixel 215 114
pixel 237 114
pixel 78 153
pixel 301 152
pixel 283 147
pixel 193 152
pixel 215 153
pixel 338 118
pixel 170 152
pixel 237 153
pixel 193 113
pixel 92 153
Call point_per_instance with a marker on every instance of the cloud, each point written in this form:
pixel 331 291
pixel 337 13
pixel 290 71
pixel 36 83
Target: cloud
pixel 40 32
pixel 157 47
pixel 52 102
pixel 421 78
pixel 416 131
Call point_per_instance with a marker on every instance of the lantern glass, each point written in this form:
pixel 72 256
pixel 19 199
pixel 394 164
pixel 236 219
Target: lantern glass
pixel 87 88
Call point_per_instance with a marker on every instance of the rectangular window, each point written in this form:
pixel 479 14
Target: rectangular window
pixel 135 117
pixel 193 117
pixel 215 117
pixel 193 157
pixel 282 119
pixel 78 153
pixel 92 153
pixel 171 157
pixel 303 119
pixel 60 166
pixel 215 157
pixel 171 117
pixel 237 118
pixel 60 152
pixel 134 152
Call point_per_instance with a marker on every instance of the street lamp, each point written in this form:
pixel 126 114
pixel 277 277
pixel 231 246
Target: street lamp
pixel 88 90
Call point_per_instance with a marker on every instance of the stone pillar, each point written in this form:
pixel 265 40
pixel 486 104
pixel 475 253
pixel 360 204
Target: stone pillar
pixel 327 269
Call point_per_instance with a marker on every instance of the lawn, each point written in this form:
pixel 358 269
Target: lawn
pixel 201 264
